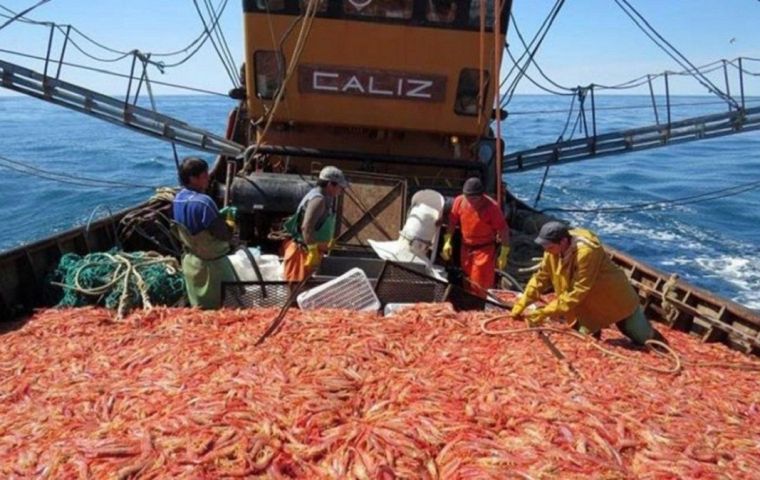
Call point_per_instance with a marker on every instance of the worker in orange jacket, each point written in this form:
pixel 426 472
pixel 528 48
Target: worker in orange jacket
pixel 482 226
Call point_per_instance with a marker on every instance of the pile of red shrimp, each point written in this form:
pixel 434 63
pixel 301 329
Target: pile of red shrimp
pixel 177 393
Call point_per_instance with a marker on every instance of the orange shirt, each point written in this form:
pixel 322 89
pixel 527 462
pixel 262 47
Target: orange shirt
pixel 479 227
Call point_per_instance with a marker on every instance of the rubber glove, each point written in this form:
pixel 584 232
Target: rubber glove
pixel 229 211
pixel 447 249
pixel 230 215
pixel 312 257
pixel 536 318
pixel 501 262
pixel 519 306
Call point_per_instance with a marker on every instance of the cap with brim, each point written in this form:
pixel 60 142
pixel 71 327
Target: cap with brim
pixel 333 174
pixel 551 233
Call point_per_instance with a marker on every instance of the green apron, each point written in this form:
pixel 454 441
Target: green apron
pixel 205 266
pixel 325 227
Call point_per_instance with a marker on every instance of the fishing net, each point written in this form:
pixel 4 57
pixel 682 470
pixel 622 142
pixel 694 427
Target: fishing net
pixel 119 280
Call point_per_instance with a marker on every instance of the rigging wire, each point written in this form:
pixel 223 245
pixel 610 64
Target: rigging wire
pixel 624 107
pixel 195 45
pixel 22 13
pixel 230 72
pixel 675 54
pixel 534 82
pixel 702 197
pixel 29 169
pixel 223 41
pixel 551 17
pixel 533 40
pixel 114 74
pixel 533 60
pixel 303 35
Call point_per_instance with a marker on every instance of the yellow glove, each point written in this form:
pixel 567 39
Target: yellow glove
pixel 501 262
pixel 447 249
pixel 313 256
pixel 519 306
pixel 536 318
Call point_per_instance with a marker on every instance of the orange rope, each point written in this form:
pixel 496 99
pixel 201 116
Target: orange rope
pixel 497 48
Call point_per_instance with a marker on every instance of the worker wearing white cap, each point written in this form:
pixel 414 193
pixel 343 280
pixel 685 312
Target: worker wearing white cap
pixel 311 228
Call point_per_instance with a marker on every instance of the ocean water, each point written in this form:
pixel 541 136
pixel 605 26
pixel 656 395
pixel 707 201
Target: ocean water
pixel 713 244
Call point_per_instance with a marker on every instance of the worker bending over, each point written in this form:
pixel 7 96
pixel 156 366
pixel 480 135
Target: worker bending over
pixel 591 291
pixel 311 228
pixel 204 234
pixel 482 224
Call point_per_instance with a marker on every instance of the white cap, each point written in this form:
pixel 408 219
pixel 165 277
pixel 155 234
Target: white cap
pixel 333 174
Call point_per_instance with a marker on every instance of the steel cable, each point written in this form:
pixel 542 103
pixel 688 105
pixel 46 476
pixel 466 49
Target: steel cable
pixel 702 197
pixel 28 169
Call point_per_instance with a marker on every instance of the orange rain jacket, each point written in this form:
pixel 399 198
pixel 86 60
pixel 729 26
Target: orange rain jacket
pixel 479 231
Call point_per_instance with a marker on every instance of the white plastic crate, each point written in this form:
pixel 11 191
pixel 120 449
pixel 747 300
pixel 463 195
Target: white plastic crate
pixel 351 291
pixel 394 308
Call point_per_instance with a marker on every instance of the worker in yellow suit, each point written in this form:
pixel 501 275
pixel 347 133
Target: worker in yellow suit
pixel 591 291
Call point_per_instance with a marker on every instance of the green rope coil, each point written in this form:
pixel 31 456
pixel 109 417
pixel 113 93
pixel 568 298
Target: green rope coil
pixel 119 280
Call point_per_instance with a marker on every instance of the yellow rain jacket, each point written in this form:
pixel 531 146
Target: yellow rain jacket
pixel 590 288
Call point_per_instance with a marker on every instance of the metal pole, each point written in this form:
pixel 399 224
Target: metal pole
pixel 582 103
pixel 654 103
pixel 50 46
pixel 728 85
pixel 176 162
pixel 667 97
pixel 139 86
pixel 129 85
pixel 741 80
pixel 63 51
pixel 593 110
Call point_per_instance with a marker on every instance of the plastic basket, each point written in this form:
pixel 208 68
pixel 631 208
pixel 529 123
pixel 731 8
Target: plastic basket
pixel 351 291
pixel 394 308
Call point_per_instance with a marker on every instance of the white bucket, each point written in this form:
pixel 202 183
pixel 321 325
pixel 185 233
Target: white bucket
pixel 269 265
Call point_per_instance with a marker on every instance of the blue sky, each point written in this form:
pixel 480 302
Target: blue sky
pixel 591 41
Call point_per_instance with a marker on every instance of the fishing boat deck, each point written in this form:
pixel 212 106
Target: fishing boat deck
pixel 426 393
